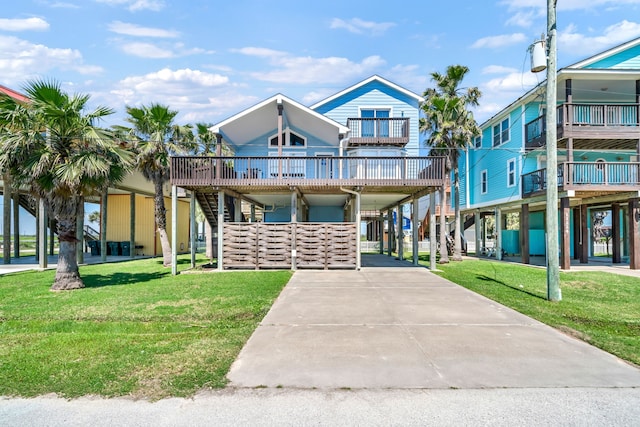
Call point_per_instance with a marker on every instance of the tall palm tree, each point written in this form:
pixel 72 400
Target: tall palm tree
pixel 51 146
pixel 452 128
pixel 156 137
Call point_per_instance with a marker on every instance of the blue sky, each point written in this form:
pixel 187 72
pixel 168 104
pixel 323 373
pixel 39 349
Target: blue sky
pixel 211 59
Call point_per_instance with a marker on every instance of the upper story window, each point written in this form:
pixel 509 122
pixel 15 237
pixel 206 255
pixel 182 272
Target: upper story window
pixel 501 132
pixel 484 178
pixel 511 173
pixel 289 139
pixel 375 127
pixel 477 141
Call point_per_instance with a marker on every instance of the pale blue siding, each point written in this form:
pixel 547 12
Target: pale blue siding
pixel 376 94
pixel 625 60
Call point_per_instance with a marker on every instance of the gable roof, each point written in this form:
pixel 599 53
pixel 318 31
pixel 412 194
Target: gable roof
pixel 606 54
pixel 262 118
pixel 13 94
pixel 373 78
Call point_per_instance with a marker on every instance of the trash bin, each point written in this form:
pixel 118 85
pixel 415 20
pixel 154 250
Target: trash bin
pixel 125 248
pixel 113 248
pixel 94 247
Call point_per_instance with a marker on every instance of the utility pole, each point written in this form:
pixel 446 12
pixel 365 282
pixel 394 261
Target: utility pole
pixel 553 267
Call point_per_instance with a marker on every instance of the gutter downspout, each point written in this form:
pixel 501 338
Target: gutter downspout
pixel 358 220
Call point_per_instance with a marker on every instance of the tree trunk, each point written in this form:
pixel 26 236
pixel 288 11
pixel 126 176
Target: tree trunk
pixel 161 223
pixel 444 254
pixel 457 244
pixel 67 274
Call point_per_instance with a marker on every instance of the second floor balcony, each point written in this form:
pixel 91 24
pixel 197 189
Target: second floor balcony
pixel 318 172
pixel 586 176
pixel 378 131
pixel 589 124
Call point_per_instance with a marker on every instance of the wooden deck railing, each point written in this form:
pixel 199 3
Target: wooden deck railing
pixel 599 120
pixel 379 131
pixel 588 176
pixel 193 171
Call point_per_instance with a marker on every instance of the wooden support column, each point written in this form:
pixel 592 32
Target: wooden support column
pixel 381 232
pixel 174 230
pixel 16 224
pixel 6 217
pixel 524 233
pixel 634 234
pixel 237 210
pixel 220 255
pixel 80 233
pixel 294 220
pixel 358 221
pixel 42 233
pixel 132 225
pixel 252 218
pixel 433 239
pixel 194 228
pixel 584 234
pixel 615 233
pixel 565 234
pixel 577 238
pixel 389 231
pixel 414 230
pixel 400 232
pixel 103 226
pixel 478 231
pixel 498 214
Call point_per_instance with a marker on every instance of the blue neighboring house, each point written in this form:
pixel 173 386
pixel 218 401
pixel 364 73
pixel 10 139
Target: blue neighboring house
pixel 598 162
pixel 302 179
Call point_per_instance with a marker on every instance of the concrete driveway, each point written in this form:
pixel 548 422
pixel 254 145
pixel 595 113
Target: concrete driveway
pixel 404 328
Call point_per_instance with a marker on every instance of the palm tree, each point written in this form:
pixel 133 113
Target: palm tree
pixel 51 146
pixel 452 128
pixel 156 137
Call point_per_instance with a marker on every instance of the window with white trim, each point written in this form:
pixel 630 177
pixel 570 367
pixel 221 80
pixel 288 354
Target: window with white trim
pixel 289 139
pixel 377 126
pixel 511 172
pixel 477 141
pixel 483 182
pixel 501 132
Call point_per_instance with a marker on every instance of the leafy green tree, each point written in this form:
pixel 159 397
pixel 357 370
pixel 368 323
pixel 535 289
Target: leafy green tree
pixel 451 127
pixel 53 147
pixel 156 137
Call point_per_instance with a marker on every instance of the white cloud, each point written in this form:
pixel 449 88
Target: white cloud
pixel 498 69
pixel 260 52
pixel 153 51
pixel 523 19
pixel 136 5
pixel 138 31
pixel 359 26
pixel 575 43
pixel 197 95
pixel 27 24
pixel 503 40
pixel 21 59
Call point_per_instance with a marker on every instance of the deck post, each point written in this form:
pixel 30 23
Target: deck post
pixel 433 244
pixel 6 232
pixel 576 233
pixel 103 226
pixel 237 210
pixel 584 234
pixel 414 230
pixel 381 232
pixel 498 214
pixel 478 231
pixel 252 218
pixel 400 236
pixel 132 225
pixel 358 220
pixel 42 233
pixel 615 233
pixel 294 220
pixel 389 231
pixel 634 234
pixel 174 230
pixel 524 233
pixel 16 224
pixel 80 233
pixel 194 228
pixel 565 233
pixel 219 257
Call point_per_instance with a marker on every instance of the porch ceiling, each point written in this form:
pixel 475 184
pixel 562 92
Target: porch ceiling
pixel 368 201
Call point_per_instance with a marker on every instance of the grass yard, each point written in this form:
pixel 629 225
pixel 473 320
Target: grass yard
pixel 134 330
pixel 600 308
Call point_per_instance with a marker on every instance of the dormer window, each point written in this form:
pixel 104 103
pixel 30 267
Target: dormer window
pixel 289 139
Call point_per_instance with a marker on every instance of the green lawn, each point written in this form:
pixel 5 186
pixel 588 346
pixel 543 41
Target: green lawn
pixel 600 308
pixel 134 330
